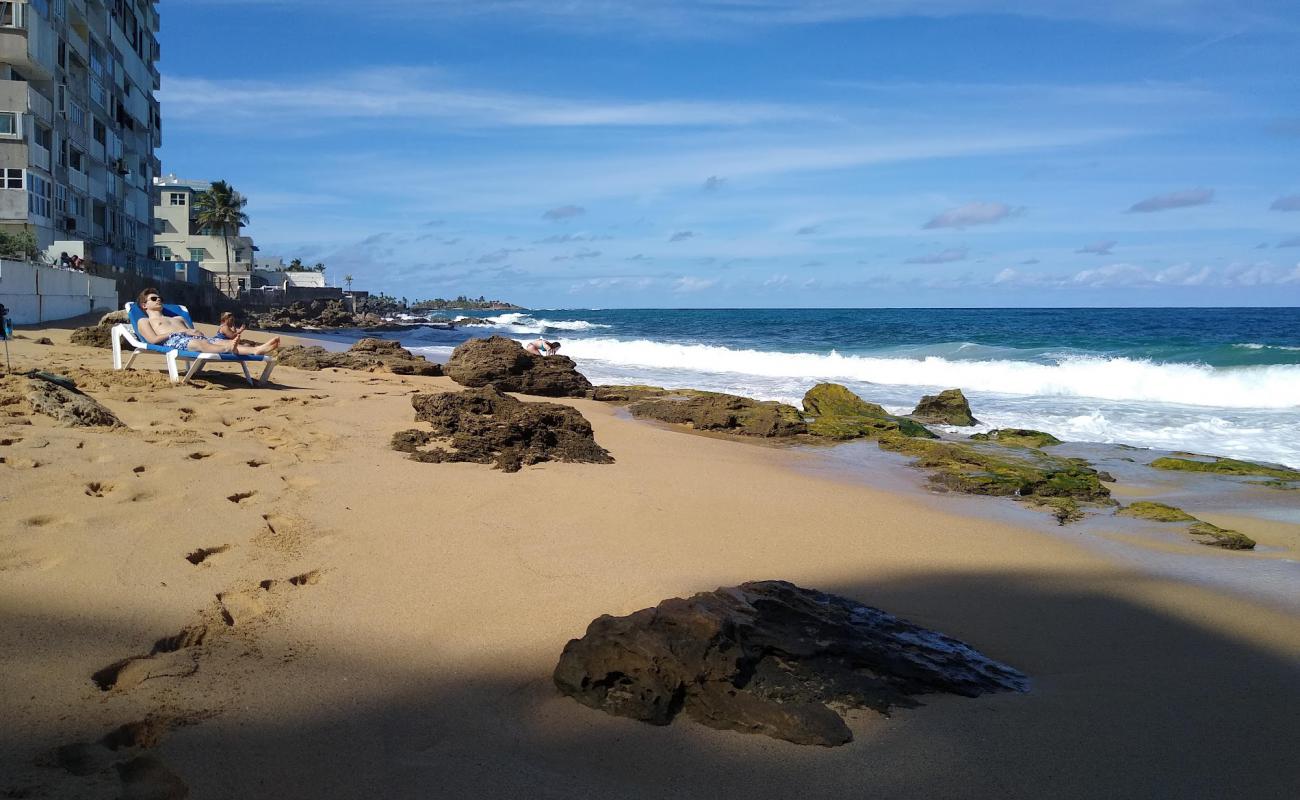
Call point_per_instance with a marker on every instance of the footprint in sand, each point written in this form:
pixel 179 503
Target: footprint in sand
pixel 98 489
pixel 255 463
pixel 131 672
pixel 239 497
pixel 142 495
pixel 185 414
pixel 201 555
pixel 9 442
pixel 199 456
pixel 300 483
pixel 41 521
pixel 139 470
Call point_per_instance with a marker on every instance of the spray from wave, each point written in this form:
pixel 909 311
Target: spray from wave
pixel 518 322
pixel 1113 378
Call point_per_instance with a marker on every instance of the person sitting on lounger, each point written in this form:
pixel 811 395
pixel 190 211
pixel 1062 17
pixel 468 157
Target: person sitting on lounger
pixel 171 332
pixel 541 347
pixel 227 329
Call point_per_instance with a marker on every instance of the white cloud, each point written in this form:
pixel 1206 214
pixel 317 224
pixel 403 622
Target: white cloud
pixel 1180 199
pixel 691 283
pixel 972 214
pixel 1101 248
pixel 941 257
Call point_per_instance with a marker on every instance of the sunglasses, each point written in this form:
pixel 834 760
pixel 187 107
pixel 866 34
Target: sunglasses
pixel 152 298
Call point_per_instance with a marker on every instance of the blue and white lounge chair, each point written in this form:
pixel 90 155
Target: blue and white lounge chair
pixel 130 332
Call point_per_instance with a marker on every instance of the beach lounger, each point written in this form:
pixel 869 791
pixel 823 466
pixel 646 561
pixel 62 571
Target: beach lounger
pixel 130 333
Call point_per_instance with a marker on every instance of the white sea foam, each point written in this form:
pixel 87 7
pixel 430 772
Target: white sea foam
pixel 518 322
pixel 1257 346
pixel 1122 379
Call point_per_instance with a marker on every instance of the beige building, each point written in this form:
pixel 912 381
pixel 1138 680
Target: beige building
pixel 177 237
pixel 79 125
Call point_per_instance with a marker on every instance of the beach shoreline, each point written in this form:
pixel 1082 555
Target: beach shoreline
pixel 417 657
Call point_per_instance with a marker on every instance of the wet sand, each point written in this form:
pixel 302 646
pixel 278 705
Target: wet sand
pixel 404 645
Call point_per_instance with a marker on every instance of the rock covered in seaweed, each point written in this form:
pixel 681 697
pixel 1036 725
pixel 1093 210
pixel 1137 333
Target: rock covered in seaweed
pixel 487 427
pixel 841 414
pixel 729 413
pixel 1017 437
pixel 626 394
pixel 505 364
pixel 1227 466
pixel 768 657
pixel 948 407
pixel 1210 534
pixel 367 355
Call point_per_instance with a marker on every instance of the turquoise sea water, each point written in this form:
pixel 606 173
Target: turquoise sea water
pixel 1222 381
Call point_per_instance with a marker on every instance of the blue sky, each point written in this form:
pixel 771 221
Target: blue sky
pixel 599 153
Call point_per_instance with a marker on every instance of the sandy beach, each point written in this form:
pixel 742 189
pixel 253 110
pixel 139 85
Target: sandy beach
pixel 405 646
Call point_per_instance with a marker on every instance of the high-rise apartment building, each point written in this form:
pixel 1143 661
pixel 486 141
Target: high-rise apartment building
pixel 79 124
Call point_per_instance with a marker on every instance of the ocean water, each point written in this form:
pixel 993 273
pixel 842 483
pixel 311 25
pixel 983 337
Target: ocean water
pixel 1223 381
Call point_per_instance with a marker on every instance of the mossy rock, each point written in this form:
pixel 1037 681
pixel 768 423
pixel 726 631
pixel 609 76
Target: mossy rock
pixel 841 414
pixel 1221 537
pixel 1227 466
pixel 1017 437
pixel 948 407
pixel 729 413
pixel 626 394
pixel 1276 484
pixel 1144 509
pixel 972 469
pixel 1065 509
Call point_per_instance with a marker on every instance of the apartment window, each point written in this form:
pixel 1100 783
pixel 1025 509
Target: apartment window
pixel 78 205
pixel 9 124
pixel 98 93
pixel 162 252
pixel 43 137
pixel 197 253
pixel 63 53
pixel 177 198
pixel 76 160
pixel 239 254
pixel 11 14
pixel 100 132
pixel 38 195
pixel 76 115
pixel 61 199
pixel 11 179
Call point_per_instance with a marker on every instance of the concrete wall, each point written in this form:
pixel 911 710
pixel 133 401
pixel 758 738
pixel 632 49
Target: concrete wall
pixel 42 294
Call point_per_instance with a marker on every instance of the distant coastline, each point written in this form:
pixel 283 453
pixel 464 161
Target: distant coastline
pixel 464 304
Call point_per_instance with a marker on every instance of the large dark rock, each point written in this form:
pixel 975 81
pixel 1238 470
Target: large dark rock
pixel 948 407
pixel 99 335
pixel 1017 437
pixel 504 364
pixel 69 406
pixel 768 657
pixel 841 414
pixel 307 314
pixel 487 427
pixel 367 355
pixel 713 411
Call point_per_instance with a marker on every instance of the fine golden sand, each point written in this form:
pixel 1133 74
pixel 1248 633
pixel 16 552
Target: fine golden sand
pixel 396 623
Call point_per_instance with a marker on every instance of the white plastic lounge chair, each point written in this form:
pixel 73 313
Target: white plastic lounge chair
pixel 130 332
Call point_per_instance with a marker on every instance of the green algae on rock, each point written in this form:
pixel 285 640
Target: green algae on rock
pixel 1227 466
pixel 1144 509
pixel 626 394
pixel 714 411
pixel 1216 536
pixel 948 407
pixel 1018 437
pixel 841 414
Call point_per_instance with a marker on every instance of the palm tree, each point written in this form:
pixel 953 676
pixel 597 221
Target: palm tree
pixel 319 267
pixel 348 280
pixel 295 265
pixel 221 208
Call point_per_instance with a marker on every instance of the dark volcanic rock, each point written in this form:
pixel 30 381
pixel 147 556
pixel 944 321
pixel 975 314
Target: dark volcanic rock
pixel 841 414
pixel 949 407
pixel 367 355
pixel 504 364
pixel 626 394
pixel 1017 437
pixel 99 335
pixel 767 657
pixel 485 426
pixel 68 406
pixel 712 411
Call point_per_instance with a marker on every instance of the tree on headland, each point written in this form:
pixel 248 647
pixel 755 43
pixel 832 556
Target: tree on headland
pixel 295 265
pixel 221 208
pixel 319 267
pixel 347 279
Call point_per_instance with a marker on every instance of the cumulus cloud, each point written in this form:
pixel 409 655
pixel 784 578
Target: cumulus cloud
pixel 560 213
pixel 681 236
pixel 691 283
pixel 941 257
pixel 713 183
pixel 1101 248
pixel 972 214
pixel 1179 199
pixel 1294 241
pixel 1289 203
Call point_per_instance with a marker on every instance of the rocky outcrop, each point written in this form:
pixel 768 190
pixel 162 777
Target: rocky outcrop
pixel 768 657
pixel 367 355
pixel 1205 532
pixel 949 407
pixel 487 427
pixel 307 314
pixel 729 413
pixel 504 364
pixel 1017 437
pixel 841 414
pixel 99 335
pixel 69 406
pixel 626 394
pixel 1227 466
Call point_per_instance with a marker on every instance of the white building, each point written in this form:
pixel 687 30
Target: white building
pixel 79 125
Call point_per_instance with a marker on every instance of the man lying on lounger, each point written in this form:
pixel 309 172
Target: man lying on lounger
pixel 171 332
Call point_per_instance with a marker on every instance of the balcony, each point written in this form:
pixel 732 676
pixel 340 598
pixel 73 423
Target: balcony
pixel 32 49
pixel 41 107
pixel 78 180
pixel 38 156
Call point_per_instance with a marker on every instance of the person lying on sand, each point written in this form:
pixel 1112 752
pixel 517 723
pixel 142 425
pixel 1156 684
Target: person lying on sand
pixel 227 329
pixel 541 347
pixel 171 332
